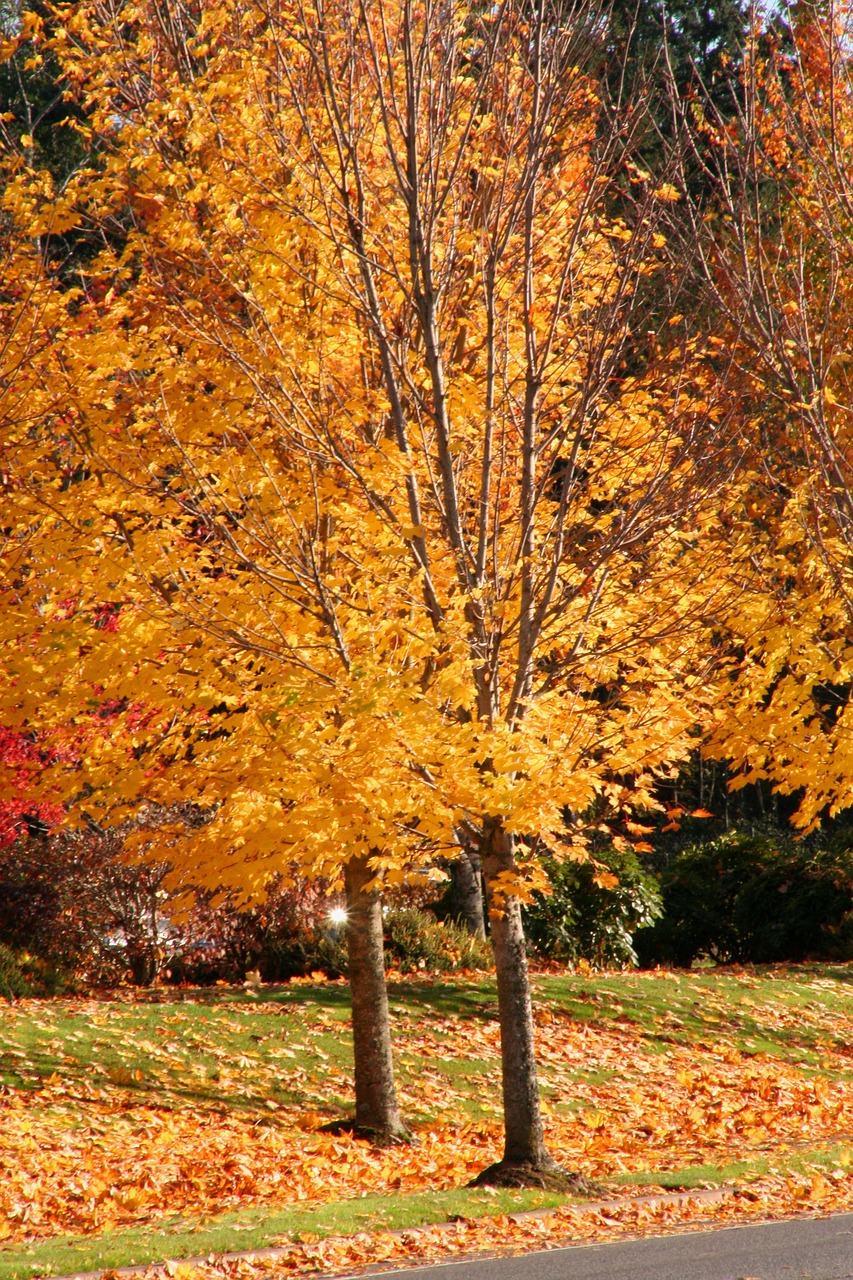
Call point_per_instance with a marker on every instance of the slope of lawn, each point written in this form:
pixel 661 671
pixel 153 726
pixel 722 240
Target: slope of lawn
pixel 170 1123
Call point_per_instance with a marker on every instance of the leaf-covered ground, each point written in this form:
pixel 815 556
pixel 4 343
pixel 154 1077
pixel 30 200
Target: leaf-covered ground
pixel 173 1123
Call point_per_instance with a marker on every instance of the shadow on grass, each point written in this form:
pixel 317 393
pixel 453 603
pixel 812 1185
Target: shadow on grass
pixel 328 995
pixel 838 972
pixel 447 998
pixel 142 1081
pixel 466 998
pixel 674 1009
pixel 152 1089
pixel 153 1093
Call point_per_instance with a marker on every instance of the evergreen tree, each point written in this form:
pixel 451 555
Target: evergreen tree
pixel 672 49
pixel 37 117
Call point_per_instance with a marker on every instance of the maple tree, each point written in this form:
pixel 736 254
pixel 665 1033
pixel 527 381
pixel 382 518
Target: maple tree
pixel 70 626
pixel 366 479
pixel 775 255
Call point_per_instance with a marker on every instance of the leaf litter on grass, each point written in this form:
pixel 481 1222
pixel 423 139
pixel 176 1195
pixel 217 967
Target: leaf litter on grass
pixel 502 1234
pixel 145 1141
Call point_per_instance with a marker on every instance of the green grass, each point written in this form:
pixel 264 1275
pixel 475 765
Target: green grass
pixel 214 1048
pixel 226 1048
pixel 742 1009
pixel 695 1177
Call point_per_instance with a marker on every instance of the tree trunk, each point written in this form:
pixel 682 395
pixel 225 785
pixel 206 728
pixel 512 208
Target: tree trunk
pixel 526 1161
pixel 142 961
pixel 376 1112
pixel 466 890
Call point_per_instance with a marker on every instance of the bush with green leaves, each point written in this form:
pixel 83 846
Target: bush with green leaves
pixel 588 917
pixel 416 940
pixel 754 899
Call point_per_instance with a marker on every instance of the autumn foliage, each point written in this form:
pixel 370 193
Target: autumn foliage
pixel 408 470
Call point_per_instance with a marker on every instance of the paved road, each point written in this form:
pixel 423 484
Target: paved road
pixel 806 1249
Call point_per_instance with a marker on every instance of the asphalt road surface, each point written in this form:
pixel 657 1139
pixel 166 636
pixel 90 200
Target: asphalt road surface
pixel 805 1249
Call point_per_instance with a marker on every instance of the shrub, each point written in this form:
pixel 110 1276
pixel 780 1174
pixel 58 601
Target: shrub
pixel 83 915
pixel 13 984
pixel 286 935
pixel 290 935
pixel 583 920
pixel 79 911
pixel 416 940
pixel 754 898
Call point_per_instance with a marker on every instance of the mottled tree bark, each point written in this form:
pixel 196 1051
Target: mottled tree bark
pixel 376 1112
pixel 526 1161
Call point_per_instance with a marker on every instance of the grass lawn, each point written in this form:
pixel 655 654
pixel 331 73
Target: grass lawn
pixel 176 1123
